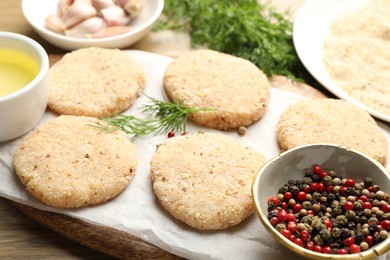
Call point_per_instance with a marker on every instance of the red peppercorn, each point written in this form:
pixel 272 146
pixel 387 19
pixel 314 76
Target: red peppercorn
pixel 322 175
pixel 307 189
pixel 297 207
pixel 329 189
pixel 349 183
pixel 292 226
pixel 313 186
pixel 318 248
pixel 274 221
pixel 291 217
pixel 310 212
pixel 171 134
pixel 328 223
pixel 385 224
pixel 317 169
pixel 321 187
pixel 282 216
pixel 367 205
pixel 301 196
pixel 327 250
pixel 349 205
pixel 287 196
pixel 363 198
pixel 310 245
pixel 342 251
pixel 304 235
pixel 370 240
pixel 386 208
pixel 292 238
pixel 185 133
pixel 298 241
pixel 354 249
pixel 286 233
pixel 349 241
pixel 273 201
pixel 343 189
pixel 284 205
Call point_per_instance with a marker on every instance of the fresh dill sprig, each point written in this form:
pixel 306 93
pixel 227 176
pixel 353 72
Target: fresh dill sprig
pixel 162 117
pixel 243 28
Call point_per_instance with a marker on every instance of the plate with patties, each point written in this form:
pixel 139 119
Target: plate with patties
pixel 312 29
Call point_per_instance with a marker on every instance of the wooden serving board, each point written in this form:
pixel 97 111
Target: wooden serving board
pixel 118 243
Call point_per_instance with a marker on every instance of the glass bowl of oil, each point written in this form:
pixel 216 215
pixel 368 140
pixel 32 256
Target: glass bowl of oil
pixel 24 67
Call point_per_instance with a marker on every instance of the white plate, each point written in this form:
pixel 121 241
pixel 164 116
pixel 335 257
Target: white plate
pixel 311 28
pixel 136 209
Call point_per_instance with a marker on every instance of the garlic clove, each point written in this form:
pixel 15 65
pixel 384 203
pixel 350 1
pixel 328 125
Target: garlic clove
pixel 54 23
pixel 115 15
pixel 85 28
pixel 63 6
pixel 77 13
pixel 101 4
pixel 133 7
pixel 111 31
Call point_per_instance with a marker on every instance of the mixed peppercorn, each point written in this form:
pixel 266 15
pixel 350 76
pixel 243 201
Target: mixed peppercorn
pixel 328 214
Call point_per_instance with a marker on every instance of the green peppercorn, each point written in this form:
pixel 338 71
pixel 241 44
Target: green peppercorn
pixel 280 227
pixel 327 180
pixel 367 212
pixel 373 220
pixel 375 188
pixel 323 200
pixel 375 203
pixel 341 220
pixel 334 204
pixel 383 203
pixel 374 210
pixel 316 208
pixel 365 192
pixel 336 181
pixel 320 225
pixel 358 205
pixel 351 198
pixel 301 226
pixel 325 234
pixel 379 195
pixel 318 240
pixel 358 186
pixel 350 215
pixel 291 203
pixel 307 205
pixel 307 219
pixel 336 232
pixel 307 180
pixel 363 246
pixel 303 212
pixel 383 234
pixel 332 174
pixel 308 197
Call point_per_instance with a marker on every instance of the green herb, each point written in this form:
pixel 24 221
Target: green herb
pixel 244 28
pixel 163 117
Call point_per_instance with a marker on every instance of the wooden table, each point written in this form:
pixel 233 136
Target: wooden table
pixel 22 237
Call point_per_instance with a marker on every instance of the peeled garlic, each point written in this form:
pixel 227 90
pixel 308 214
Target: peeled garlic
pixel 101 4
pixel 54 23
pixel 86 28
pixel 77 13
pixel 115 15
pixel 111 31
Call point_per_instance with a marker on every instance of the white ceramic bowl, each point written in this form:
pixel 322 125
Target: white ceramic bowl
pixel 291 165
pixel 35 11
pixel 21 110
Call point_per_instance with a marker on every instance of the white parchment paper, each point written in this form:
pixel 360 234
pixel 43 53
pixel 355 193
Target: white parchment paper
pixel 137 211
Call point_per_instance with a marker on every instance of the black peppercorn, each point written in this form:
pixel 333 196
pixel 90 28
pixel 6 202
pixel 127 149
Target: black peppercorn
pixel 294 190
pixel 367 182
pixel 291 182
pixel 345 232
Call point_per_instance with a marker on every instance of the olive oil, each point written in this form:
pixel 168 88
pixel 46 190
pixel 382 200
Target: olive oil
pixel 17 69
